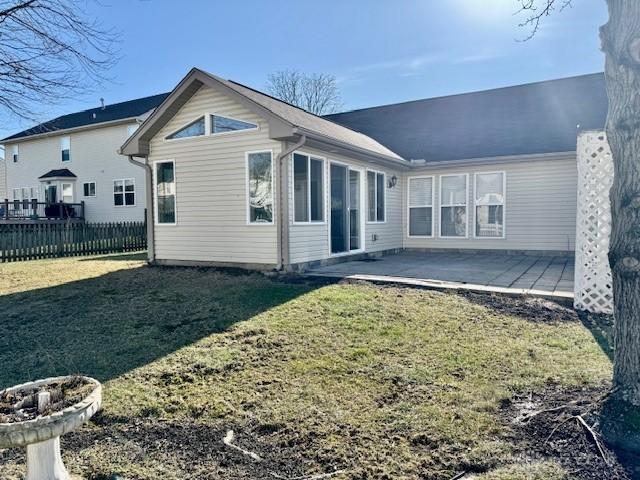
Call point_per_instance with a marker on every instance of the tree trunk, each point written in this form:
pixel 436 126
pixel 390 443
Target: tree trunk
pixel 621 45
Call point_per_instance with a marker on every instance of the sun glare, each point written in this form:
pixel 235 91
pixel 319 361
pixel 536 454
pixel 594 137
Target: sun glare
pixel 486 10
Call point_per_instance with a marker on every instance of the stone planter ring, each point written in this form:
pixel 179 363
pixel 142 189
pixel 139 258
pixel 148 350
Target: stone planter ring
pixel 41 435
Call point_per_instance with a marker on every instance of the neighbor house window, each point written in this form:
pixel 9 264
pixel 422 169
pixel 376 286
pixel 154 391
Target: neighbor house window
pixel 124 192
pixel 65 148
pixel 14 153
pixel 453 205
pixel 489 204
pixel 420 206
pixel 165 192
pixel 17 194
pixel 131 129
pixel 194 129
pixel 375 196
pixel 67 192
pixel 259 188
pixel 221 124
pixel 89 189
pixel 308 188
pixel 34 194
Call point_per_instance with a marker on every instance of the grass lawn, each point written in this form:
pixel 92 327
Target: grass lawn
pixel 381 382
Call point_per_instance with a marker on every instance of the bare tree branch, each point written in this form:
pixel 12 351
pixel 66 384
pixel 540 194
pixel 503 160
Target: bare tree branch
pixel 317 93
pixel 50 50
pixel 537 10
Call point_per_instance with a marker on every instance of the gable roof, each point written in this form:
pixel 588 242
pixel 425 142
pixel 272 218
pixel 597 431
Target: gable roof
pixel 60 173
pixel 313 123
pixel 287 119
pixel 110 113
pixel 535 118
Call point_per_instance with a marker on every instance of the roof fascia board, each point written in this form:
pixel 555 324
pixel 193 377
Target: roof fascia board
pixel 63 131
pixel 495 160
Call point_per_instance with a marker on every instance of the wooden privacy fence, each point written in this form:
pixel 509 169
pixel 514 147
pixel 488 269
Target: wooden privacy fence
pixel 31 241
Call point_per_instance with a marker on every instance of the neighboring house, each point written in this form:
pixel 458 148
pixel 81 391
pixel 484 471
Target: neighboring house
pixel 240 178
pixel 74 159
pixel 3 179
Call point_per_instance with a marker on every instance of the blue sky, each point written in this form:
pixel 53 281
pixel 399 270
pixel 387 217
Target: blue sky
pixel 381 51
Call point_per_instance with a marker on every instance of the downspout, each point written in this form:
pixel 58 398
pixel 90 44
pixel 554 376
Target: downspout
pixel 151 245
pixel 283 196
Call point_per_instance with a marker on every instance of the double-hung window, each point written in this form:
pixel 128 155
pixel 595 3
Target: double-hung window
pixel 375 196
pixel 259 188
pixel 308 188
pixel 453 205
pixel 165 179
pixel 124 192
pixel 15 151
pixel 65 148
pixel 67 192
pixel 420 206
pixel 89 189
pixel 489 204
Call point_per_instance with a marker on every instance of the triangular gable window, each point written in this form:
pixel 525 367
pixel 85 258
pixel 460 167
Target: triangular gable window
pixel 221 124
pixel 194 129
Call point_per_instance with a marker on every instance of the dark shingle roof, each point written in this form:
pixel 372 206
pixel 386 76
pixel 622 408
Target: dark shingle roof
pixel 61 173
pixel 525 119
pixel 117 111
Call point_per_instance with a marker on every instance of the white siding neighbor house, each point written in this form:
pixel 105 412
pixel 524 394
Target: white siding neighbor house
pixel 73 159
pixel 236 177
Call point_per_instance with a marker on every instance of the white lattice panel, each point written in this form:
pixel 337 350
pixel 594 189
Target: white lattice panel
pixel 593 285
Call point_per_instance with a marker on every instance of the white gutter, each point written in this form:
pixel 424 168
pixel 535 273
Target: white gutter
pixel 151 245
pixel 283 210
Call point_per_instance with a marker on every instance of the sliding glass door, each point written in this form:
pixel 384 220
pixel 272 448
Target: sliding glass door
pixel 346 215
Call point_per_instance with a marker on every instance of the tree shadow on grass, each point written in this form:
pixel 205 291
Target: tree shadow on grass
pixel 111 324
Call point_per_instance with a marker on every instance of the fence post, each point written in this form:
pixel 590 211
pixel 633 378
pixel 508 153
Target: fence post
pixel 82 209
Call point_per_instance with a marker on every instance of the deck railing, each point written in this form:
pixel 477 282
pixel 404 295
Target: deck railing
pixel 32 210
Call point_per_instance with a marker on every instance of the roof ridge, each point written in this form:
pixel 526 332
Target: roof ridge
pixel 473 92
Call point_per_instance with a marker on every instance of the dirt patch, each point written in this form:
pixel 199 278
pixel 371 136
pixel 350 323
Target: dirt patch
pixel 532 308
pixel 194 450
pixel 22 405
pixel 544 427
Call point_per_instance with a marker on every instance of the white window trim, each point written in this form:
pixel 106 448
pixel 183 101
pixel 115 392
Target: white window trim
pixel 210 128
pixel 61 149
pixel 247 189
pixel 384 186
pixel 73 193
pixel 504 204
pixel 441 205
pixel 185 125
pixel 95 189
pixel 135 193
pixel 324 182
pixel 433 206
pixel 155 193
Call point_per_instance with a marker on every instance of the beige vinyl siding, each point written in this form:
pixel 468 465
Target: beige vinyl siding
pixel 540 208
pixel 211 192
pixel 310 242
pixel 94 158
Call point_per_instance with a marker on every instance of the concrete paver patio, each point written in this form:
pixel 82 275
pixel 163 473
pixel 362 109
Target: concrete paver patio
pixel 518 274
